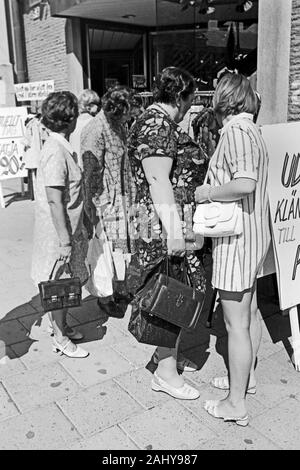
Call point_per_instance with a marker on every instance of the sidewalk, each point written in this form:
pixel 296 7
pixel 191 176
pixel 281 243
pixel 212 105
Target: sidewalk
pixel 105 402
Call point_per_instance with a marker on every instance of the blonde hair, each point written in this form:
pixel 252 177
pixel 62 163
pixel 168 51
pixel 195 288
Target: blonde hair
pixel 234 94
pixel 86 98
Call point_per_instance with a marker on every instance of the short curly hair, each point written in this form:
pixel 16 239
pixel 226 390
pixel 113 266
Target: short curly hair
pixel 86 98
pixel 59 110
pixel 233 95
pixel 117 101
pixel 171 83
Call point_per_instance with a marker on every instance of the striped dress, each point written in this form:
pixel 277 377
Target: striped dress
pixel 242 153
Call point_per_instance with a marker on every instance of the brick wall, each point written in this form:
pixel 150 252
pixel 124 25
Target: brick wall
pixel 46 48
pixel 294 77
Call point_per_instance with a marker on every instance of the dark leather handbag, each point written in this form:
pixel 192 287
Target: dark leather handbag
pixel 166 304
pixel 148 329
pixel 60 293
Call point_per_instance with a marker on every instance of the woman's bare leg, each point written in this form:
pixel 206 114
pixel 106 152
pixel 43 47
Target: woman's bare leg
pixel 236 308
pixel 167 365
pixel 58 322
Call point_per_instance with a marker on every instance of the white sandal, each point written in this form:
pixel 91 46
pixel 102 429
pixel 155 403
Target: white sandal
pixel 79 352
pixel 222 383
pixel 186 392
pixel 211 406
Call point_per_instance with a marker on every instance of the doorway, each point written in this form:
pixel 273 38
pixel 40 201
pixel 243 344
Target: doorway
pixel 115 57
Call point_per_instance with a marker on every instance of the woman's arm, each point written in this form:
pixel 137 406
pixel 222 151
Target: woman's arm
pixel 55 201
pixel 233 191
pixel 157 171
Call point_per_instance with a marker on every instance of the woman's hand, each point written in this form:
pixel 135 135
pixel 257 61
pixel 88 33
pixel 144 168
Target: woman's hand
pixel 64 253
pixel 176 246
pixel 193 245
pixel 202 193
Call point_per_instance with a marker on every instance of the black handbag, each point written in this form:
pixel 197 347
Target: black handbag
pixel 60 293
pixel 165 305
pixel 148 329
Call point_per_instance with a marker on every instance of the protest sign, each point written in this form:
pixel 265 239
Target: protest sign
pixel 284 195
pixel 34 91
pixel 12 125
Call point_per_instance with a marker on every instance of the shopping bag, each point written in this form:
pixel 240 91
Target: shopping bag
pixel 100 266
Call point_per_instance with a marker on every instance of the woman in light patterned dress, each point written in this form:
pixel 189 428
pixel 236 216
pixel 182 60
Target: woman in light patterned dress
pixel 109 190
pixel 238 172
pixel 59 233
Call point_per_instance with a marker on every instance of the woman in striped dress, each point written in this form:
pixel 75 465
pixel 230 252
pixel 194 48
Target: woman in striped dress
pixel 238 172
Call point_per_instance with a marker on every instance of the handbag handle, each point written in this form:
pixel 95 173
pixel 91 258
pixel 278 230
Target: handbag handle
pixel 187 273
pixel 67 264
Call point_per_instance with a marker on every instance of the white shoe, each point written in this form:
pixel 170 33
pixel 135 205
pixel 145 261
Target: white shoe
pixel 186 392
pixel 223 384
pixel 78 352
pixel 73 334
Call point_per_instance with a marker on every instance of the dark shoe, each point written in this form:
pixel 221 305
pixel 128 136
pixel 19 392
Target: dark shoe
pixel 111 309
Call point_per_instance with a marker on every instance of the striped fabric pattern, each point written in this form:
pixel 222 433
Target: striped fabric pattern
pixel 242 153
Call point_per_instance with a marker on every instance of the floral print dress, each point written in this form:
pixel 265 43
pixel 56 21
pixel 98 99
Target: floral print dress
pixel 156 134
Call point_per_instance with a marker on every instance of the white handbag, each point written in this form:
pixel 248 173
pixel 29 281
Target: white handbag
pixel 218 219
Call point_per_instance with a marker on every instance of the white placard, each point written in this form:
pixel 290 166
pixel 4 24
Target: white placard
pixel 34 91
pixel 12 126
pixel 283 145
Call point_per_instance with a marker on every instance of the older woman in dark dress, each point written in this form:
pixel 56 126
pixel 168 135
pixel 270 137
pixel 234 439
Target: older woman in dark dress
pixel 166 166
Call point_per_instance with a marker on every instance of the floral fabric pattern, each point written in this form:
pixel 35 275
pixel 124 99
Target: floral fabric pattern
pixel 155 134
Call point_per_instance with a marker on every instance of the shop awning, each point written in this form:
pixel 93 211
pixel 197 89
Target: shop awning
pixel 148 13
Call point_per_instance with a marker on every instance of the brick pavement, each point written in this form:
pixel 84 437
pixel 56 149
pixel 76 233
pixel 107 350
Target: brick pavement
pixel 104 402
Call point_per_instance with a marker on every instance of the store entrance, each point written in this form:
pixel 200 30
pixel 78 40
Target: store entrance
pixel 115 57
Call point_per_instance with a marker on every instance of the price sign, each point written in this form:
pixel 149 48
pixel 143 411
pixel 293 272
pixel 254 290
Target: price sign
pixel 12 125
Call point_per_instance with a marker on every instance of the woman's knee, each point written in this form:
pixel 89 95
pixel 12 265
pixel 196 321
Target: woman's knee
pixel 241 324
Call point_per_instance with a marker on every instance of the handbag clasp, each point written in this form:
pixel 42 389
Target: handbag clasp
pixel 179 300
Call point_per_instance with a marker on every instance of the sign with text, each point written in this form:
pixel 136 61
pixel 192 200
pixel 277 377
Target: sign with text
pixel 12 126
pixel 34 91
pixel 283 145
pixel 138 81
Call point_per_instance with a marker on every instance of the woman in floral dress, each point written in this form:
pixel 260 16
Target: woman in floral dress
pixel 167 166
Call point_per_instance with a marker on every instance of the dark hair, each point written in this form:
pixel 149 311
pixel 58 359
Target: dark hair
pixel 171 83
pixel 117 101
pixel 234 94
pixel 59 110
pixel 137 100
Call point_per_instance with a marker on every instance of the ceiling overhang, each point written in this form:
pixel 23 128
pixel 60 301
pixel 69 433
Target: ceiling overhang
pixel 148 14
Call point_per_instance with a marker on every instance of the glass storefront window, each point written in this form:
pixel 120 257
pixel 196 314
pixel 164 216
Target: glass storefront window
pixel 203 44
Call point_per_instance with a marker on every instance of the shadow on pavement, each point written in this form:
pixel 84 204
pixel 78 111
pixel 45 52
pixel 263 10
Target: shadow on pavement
pixel 194 345
pixel 17 325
